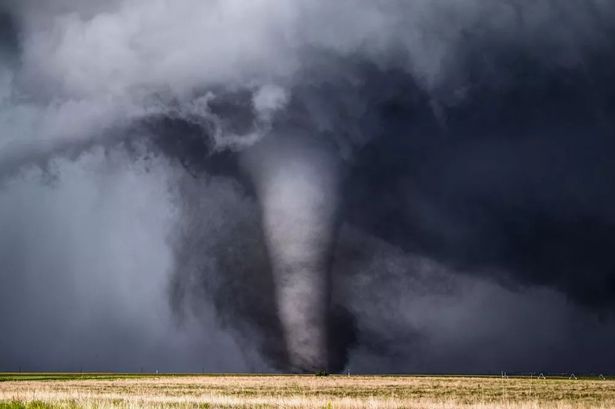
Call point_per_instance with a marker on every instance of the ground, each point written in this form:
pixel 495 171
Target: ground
pixel 100 391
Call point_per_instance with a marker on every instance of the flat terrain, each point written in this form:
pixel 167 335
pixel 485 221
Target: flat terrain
pixel 72 391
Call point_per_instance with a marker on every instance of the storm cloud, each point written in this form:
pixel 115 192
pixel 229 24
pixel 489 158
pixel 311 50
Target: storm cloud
pixel 381 186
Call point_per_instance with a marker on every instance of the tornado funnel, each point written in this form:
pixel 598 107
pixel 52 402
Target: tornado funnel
pixel 297 179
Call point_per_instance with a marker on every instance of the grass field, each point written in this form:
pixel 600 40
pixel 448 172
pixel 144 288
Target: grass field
pixel 72 391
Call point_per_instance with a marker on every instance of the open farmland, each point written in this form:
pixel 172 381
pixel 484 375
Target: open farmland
pixel 267 391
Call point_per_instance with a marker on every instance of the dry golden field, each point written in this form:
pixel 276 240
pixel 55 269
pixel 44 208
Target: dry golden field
pixel 211 391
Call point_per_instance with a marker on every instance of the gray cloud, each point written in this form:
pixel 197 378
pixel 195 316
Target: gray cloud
pixel 417 315
pixel 470 183
pixel 85 265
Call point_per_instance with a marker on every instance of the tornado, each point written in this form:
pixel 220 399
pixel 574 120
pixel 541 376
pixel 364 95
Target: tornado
pixel 297 177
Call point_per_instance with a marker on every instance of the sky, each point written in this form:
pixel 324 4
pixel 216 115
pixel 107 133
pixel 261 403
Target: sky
pixel 382 186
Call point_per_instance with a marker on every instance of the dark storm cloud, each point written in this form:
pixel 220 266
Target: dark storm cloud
pixel 8 34
pixel 517 178
pixel 414 312
pixel 474 145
